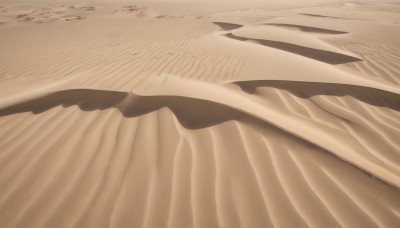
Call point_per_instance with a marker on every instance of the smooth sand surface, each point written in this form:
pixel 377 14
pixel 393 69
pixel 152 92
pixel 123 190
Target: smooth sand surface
pixel 126 115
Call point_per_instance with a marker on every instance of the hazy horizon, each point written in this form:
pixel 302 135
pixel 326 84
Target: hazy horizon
pixel 201 5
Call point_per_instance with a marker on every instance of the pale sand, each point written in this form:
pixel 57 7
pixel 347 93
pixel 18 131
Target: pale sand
pixel 150 115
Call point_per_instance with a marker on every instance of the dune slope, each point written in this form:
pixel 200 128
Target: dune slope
pixel 127 116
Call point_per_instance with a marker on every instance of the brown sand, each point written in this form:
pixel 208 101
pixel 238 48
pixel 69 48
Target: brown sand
pixel 121 115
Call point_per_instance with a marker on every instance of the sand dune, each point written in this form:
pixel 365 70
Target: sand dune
pixel 136 116
pixel 227 26
pixel 312 53
pixel 309 29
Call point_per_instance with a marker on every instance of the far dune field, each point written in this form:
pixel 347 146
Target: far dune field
pixel 156 114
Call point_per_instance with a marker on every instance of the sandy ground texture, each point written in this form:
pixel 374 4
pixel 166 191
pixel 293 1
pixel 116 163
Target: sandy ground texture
pixel 128 115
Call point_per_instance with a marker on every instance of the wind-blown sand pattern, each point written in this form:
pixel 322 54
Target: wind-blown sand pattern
pixel 121 115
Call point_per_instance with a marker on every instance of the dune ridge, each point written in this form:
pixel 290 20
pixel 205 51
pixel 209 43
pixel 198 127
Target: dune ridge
pixel 188 117
pixel 240 118
pixel 309 28
pixel 320 55
pixel 92 99
pixel 227 26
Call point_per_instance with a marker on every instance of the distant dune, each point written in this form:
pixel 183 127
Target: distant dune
pixel 154 114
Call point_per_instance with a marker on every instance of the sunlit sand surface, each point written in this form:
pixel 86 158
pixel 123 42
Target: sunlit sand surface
pixel 117 114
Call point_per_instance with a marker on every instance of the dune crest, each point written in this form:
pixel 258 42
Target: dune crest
pixel 309 29
pixel 320 55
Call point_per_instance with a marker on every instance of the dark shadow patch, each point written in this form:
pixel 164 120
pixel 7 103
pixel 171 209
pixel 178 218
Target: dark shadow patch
pixel 341 18
pixel 87 100
pixel 191 113
pixel 312 53
pixel 309 29
pixel 317 15
pixel 305 90
pixel 227 26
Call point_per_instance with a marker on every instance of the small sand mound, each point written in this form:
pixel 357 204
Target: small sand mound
pixel 40 14
pixel 139 11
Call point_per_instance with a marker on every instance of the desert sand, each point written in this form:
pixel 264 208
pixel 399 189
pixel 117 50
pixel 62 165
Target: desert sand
pixel 127 114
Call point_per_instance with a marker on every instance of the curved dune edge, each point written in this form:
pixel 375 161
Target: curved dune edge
pixel 312 53
pixel 302 129
pixel 227 26
pixel 221 95
pixel 318 15
pixel 309 89
pixel 150 169
pixel 308 28
pixel 295 40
